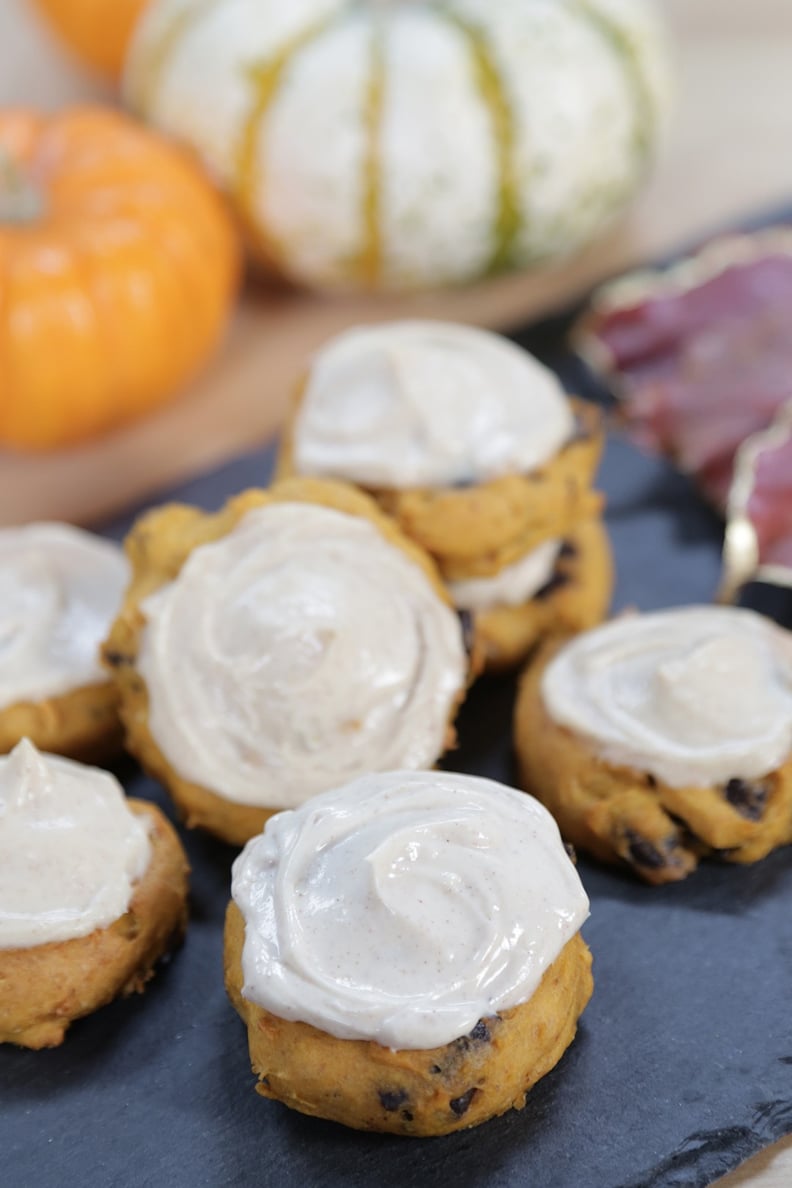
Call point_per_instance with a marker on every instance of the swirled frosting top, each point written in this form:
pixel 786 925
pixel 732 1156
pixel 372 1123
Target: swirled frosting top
pixel 60 589
pixel 404 907
pixel 298 651
pixel 427 404
pixel 71 849
pixel 695 696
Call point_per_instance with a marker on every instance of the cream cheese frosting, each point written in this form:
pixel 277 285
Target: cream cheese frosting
pixel 71 850
pixel 403 907
pixel 296 652
pixel 427 404
pixel 60 589
pixel 514 585
pixel 695 696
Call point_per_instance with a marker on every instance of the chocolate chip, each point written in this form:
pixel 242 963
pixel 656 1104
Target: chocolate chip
pixel 461 1105
pixel 748 799
pixel 468 629
pixel 556 582
pixel 391 1099
pixel 642 852
pixel 115 659
pixel 568 550
pixel 435 1069
pixel 480 1033
pixel 406 1115
pixel 725 854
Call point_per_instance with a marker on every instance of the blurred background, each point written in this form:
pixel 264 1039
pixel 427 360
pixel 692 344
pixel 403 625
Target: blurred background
pixel 725 157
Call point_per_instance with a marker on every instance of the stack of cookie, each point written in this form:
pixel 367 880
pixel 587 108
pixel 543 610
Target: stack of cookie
pixel 473 447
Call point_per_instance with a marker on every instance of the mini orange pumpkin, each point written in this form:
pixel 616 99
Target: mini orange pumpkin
pixel 98 31
pixel 118 264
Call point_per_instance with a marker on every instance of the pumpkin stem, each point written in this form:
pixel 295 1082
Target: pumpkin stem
pixel 20 200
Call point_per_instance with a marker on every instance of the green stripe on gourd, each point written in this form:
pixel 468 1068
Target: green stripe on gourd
pixel 508 222
pixel 371 260
pixel 146 82
pixel 624 46
pixel 266 78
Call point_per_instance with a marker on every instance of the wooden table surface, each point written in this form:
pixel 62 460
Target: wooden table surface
pixel 730 155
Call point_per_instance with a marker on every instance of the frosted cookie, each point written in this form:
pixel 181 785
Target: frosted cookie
pixel 92 893
pixel 658 739
pixel 463 437
pixel 292 641
pixel 60 589
pixel 405 952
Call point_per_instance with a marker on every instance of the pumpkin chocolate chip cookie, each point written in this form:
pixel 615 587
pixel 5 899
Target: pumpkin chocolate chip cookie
pixel 659 739
pixel 469 443
pixel 375 990
pixel 61 589
pixel 292 640
pixel 92 893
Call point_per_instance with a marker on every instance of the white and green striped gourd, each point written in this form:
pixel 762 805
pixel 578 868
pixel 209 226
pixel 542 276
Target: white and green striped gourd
pixel 401 144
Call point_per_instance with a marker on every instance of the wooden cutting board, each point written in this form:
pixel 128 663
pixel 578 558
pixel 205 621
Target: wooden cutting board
pixel 730 154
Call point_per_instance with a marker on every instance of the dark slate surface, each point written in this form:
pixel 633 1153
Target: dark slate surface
pixel 683 1062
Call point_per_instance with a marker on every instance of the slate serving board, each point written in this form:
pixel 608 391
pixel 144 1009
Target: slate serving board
pixel 683 1062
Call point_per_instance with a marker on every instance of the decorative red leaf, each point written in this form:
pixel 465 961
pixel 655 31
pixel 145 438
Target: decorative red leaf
pixel 701 354
pixel 730 280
